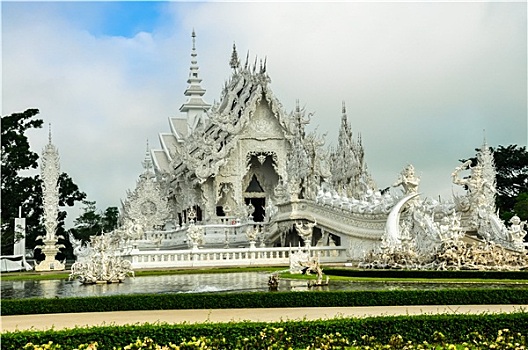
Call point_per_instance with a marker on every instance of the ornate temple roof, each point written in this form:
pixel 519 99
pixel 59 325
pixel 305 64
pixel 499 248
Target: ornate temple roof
pixel 210 139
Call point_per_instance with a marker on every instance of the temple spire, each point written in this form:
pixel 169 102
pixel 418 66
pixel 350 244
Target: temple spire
pixel 195 107
pixel 147 162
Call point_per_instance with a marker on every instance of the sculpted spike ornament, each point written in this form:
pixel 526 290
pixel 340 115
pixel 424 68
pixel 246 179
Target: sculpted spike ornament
pixel 347 165
pixel 50 169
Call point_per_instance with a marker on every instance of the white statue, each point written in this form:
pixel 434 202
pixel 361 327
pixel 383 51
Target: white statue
pixel 80 250
pixel 104 263
pixel 305 231
pixel 195 236
pixel 408 180
pixel 516 232
pixel 296 260
pixel 252 234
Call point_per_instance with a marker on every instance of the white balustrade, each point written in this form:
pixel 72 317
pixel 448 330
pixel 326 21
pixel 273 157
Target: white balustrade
pixel 266 256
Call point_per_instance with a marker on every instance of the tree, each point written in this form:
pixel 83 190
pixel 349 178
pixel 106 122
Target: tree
pixel 16 156
pixel 511 165
pixel 92 222
pixel 521 206
pixel 26 191
pixel 110 219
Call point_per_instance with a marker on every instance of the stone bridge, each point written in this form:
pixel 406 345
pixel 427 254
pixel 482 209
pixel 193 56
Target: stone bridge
pixel 357 232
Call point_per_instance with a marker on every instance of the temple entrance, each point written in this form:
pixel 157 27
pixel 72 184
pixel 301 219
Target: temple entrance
pixel 259 182
pixel 259 204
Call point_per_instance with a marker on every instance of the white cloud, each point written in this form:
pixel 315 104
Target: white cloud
pixel 421 80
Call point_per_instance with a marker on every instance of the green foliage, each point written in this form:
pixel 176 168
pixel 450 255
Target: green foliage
pixel 267 339
pixel 264 300
pixel 26 191
pixel 16 157
pixel 429 274
pixel 521 206
pixel 511 163
pixel 92 222
pixel 110 219
pixel 402 332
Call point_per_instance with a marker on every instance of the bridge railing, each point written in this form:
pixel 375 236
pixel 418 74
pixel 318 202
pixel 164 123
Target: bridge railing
pixel 233 257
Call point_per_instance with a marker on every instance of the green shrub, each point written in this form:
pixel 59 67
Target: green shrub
pixel 299 335
pixel 429 274
pixel 264 300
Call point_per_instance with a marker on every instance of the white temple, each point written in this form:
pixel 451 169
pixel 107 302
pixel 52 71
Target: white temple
pixel 245 171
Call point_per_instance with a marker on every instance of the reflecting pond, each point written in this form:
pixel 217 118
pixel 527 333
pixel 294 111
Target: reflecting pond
pixel 204 283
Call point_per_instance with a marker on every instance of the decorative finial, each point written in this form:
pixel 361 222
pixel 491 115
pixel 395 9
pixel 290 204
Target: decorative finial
pixel 49 133
pixel 343 107
pixel 147 163
pixel 193 35
pixel 234 62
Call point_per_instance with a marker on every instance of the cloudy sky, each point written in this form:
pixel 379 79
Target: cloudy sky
pixel 423 82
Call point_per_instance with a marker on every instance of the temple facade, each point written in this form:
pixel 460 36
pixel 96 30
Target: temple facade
pixel 245 153
pixel 244 170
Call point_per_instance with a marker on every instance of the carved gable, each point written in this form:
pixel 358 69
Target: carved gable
pixel 263 124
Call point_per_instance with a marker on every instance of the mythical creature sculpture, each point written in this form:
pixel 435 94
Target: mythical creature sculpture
pixel 103 264
pixel 195 236
pixel 408 180
pixel 296 260
pixel 516 232
pixel 305 231
pixel 273 282
pixel 312 266
pixel 80 250
pixel 481 191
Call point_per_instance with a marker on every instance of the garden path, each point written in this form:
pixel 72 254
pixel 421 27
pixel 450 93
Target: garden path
pixel 62 321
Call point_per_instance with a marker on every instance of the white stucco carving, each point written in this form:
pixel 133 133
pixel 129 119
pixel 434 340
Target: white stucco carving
pixel 50 170
pixel 244 170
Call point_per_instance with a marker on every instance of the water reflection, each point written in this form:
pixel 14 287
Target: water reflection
pixel 201 283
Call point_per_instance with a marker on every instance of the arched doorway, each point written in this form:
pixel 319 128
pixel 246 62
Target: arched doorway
pixel 259 182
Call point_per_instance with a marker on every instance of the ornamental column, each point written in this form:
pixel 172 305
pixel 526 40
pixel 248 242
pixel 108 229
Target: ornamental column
pixel 50 169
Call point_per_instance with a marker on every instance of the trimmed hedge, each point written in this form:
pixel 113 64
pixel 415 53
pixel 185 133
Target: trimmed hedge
pixel 264 300
pixel 414 328
pixel 461 274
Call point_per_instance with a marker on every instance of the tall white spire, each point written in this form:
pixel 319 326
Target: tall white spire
pixel 195 107
pixel 147 162
pixel 49 172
